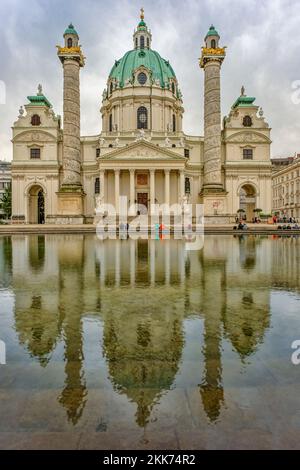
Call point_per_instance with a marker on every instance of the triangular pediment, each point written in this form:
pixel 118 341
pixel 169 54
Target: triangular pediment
pixel 142 150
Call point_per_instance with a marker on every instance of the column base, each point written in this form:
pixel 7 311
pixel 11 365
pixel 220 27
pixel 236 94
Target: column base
pixel 70 206
pixel 214 201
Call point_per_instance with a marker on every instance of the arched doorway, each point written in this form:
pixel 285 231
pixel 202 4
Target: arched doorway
pixel 36 203
pixel 247 197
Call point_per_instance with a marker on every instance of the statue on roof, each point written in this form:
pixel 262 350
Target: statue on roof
pixel 243 91
pixel 40 90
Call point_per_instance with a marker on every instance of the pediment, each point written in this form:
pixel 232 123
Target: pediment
pixel 141 151
pixel 248 138
pixel 34 136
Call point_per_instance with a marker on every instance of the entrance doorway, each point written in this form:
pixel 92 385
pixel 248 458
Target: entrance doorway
pixel 36 203
pixel 142 200
pixel 248 201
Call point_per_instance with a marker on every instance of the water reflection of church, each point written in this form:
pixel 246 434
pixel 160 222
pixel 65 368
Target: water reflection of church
pixel 143 335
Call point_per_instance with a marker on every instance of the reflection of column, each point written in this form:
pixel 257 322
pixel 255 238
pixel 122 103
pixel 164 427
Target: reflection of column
pixel 117 190
pixel 152 186
pixel 102 182
pixel 152 261
pixel 117 262
pixel 167 186
pixel 214 300
pixel 102 264
pixel 132 262
pixel 167 262
pixel 181 255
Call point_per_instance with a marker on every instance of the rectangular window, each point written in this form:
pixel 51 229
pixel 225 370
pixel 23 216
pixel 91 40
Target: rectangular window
pixel 97 153
pixel 248 154
pixel 187 153
pixel 35 153
pixel 97 186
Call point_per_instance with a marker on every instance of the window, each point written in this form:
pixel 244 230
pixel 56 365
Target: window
pixel 35 153
pixel 187 186
pixel 110 123
pixel 136 43
pixel 173 88
pixel 247 121
pixel 248 154
pixel 213 43
pixel 174 123
pixel 111 88
pixel 97 186
pixel 97 153
pixel 142 78
pixel 110 146
pixel 35 120
pixel 142 118
pixel 70 43
pixel 142 42
pixel 148 43
pixel 187 153
pixel 174 146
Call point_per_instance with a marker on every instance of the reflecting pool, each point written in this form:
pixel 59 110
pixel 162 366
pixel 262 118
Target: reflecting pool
pixel 145 344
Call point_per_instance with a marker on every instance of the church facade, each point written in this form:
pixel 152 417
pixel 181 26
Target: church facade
pixel 59 176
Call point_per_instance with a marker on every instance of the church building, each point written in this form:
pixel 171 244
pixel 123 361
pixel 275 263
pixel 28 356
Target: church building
pixel 142 152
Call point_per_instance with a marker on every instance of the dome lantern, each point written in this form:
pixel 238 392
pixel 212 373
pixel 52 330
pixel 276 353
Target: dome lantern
pixel 142 36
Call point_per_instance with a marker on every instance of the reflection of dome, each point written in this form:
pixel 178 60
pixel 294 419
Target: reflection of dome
pixel 124 68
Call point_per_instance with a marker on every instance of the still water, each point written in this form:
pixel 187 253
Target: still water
pixel 143 344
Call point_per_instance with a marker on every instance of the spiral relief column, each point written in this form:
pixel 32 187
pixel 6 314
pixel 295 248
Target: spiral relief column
pixel 70 196
pixel 211 61
pixel 213 193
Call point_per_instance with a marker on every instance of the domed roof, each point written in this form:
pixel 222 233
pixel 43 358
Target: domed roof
pixel 212 31
pixel 124 68
pixel 71 30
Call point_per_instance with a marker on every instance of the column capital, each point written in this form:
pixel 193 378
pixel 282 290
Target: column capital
pixel 152 170
pixel 117 171
pixel 167 170
pixel 132 170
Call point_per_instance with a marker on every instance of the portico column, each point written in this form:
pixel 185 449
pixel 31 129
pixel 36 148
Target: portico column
pixel 181 184
pixel 117 190
pixel 167 186
pixel 102 183
pixel 152 186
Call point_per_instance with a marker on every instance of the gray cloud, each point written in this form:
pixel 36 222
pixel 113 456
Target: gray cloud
pixel 261 36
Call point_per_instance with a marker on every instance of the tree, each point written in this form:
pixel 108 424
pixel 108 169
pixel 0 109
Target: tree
pixel 5 202
pixel 257 210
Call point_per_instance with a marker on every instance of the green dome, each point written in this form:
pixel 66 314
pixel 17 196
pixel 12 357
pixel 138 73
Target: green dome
pixel 70 30
pixel 124 68
pixel 212 31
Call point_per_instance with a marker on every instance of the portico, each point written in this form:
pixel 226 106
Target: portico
pixel 158 179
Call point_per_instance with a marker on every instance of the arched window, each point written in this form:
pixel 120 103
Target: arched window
pixel 97 186
pixel 35 120
pixel 213 43
pixel 136 43
pixel 148 43
pixel 174 123
pixel 111 88
pixel 173 88
pixel 142 42
pixel 70 43
pixel 187 186
pixel 142 118
pixel 110 123
pixel 247 121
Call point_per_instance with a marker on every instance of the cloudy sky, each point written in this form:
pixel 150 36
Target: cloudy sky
pixel 262 39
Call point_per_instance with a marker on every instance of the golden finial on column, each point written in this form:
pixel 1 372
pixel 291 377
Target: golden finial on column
pixel 142 14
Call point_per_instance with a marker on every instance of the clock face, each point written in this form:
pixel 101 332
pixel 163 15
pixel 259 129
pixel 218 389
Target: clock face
pixel 143 118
